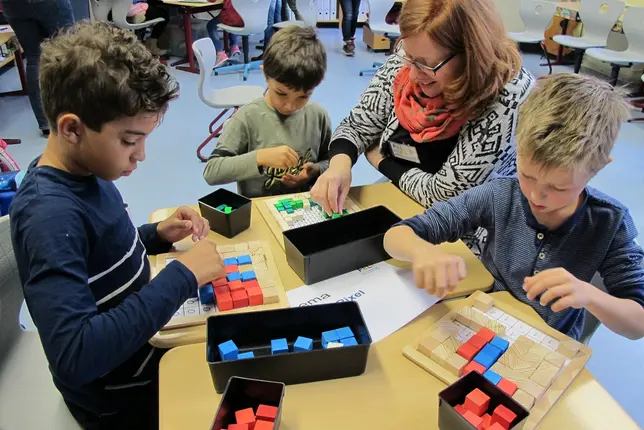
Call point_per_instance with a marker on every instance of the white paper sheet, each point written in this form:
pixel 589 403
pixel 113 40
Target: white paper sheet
pixel 387 296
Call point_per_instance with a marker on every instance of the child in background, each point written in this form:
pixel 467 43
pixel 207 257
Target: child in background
pixel 278 144
pixel 82 264
pixel 548 232
pixel 227 16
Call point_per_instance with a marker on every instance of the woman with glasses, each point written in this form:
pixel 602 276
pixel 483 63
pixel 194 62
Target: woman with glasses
pixel 439 117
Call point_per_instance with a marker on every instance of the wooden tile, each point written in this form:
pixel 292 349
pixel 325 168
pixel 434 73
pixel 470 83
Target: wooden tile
pixel 445 329
pixel 451 344
pixel 524 399
pixel 510 358
pixel 483 302
pixel 255 244
pixel 270 295
pixel 225 248
pixel 532 388
pixel 455 363
pixel 555 358
pixel 261 258
pixel 530 360
pixel 569 348
pixel 539 351
pixel 225 255
pixel 526 365
pixel 544 374
pixel 501 369
pixel 245 267
pixel 464 316
pixel 241 247
pixel 255 251
pixel 522 345
pixel 260 268
pixel 427 345
pixel 440 354
pixel 480 319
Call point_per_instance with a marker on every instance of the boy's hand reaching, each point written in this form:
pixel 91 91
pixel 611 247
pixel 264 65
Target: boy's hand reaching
pixel 558 284
pixel 306 175
pixel 436 271
pixel 280 157
pixel 203 261
pixel 181 224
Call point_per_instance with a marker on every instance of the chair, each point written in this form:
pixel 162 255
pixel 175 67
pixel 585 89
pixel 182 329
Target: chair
pixel 598 18
pixel 119 8
pixel 254 13
pixel 537 16
pixel 309 11
pixel 378 10
pixel 633 26
pixel 638 104
pixel 24 371
pixel 227 98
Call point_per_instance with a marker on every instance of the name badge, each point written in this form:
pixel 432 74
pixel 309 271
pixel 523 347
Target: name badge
pixel 405 152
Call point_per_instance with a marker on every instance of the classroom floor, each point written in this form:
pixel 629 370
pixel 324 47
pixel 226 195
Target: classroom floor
pixel 171 175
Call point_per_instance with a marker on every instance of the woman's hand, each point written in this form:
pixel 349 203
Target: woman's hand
pixel 332 187
pixel 374 157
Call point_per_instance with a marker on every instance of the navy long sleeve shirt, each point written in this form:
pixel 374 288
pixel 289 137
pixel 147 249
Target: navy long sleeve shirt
pixel 86 280
pixel 599 237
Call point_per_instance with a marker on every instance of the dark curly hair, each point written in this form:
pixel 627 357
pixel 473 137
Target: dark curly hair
pixel 101 73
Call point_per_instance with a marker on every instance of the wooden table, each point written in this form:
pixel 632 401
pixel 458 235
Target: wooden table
pixel 188 9
pixel 393 393
pixel 10 38
pixel 479 279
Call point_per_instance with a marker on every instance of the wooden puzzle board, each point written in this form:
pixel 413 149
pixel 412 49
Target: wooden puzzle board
pixel 307 216
pixel 535 354
pixel 192 312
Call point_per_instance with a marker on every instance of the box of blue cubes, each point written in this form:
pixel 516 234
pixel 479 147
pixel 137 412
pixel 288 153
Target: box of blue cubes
pixel 293 345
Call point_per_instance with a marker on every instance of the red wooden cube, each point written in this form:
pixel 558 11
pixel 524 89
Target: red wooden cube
pixel 224 301
pixel 240 298
pixel 467 351
pixel 503 416
pixel 238 427
pixel 222 289
pixel 255 296
pixel 263 425
pixel 473 366
pixel 474 419
pixel 232 269
pixel 477 402
pixel 245 416
pixel 460 409
pixel 250 284
pixel 495 426
pixel 235 286
pixel 477 341
pixel 486 334
pixel 267 413
pixel 219 282
pixel 508 387
pixel 487 421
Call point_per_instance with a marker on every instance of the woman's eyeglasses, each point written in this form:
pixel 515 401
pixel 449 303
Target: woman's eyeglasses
pixel 424 68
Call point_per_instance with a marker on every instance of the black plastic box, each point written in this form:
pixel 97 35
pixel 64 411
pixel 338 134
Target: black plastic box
pixel 253 331
pixel 337 246
pixel 449 419
pixel 242 393
pixel 231 224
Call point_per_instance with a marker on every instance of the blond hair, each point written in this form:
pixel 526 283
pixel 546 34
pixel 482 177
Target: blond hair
pixel 296 57
pixel 571 121
pixel 474 30
pixel 101 73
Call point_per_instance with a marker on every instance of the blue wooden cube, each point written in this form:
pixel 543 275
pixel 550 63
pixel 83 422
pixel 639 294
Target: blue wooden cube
pixel 344 333
pixel 243 259
pixel 235 276
pixel 303 344
pixel 492 376
pixel 248 275
pixel 228 350
pixel 279 346
pixel 248 354
pixel 484 360
pixel 206 295
pixel 230 261
pixel 329 336
pixel 492 351
pixel 349 341
pixel 500 343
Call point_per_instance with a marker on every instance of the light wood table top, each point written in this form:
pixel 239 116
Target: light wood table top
pixel 392 393
pixel 192 3
pixel 478 279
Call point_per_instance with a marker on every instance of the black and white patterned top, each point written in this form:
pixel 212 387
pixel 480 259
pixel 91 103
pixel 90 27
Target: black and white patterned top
pixel 599 237
pixel 484 148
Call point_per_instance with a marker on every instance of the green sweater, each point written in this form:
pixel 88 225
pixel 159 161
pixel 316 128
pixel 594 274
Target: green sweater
pixel 256 126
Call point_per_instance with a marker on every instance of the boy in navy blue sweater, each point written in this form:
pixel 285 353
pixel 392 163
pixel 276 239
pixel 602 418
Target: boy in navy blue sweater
pixel 83 265
pixel 548 232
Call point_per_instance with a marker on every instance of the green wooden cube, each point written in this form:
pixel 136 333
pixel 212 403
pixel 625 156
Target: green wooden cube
pixel 228 210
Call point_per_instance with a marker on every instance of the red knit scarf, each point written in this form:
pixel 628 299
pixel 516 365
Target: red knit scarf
pixel 426 119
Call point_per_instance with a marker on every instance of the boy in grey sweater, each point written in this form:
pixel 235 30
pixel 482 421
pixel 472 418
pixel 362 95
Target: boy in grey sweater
pixel 278 144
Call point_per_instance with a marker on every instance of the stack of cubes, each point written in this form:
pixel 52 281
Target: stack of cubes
pixel 225 209
pixel 237 290
pixel 338 337
pixel 482 351
pixel 247 419
pixel 475 411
